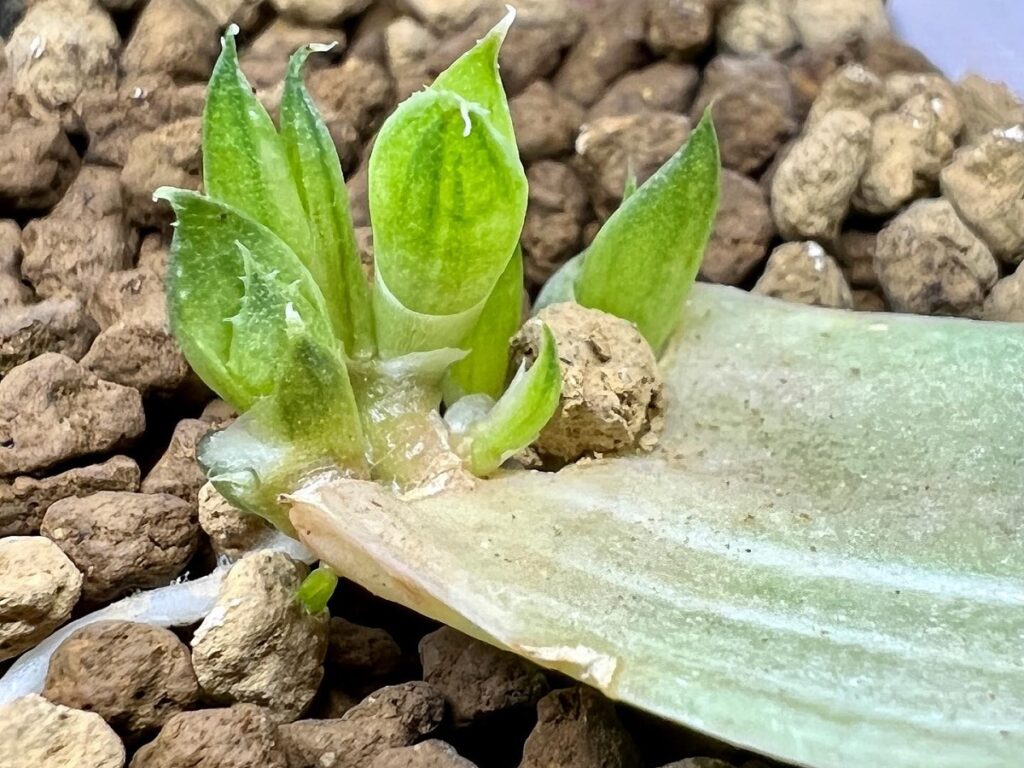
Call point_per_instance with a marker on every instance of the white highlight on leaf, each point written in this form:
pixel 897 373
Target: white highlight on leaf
pixel 322 47
pixel 594 666
pixel 231 31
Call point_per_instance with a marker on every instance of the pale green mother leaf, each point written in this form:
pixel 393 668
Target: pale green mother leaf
pixel 229 281
pixel 824 561
pixel 335 263
pixel 244 160
pixel 646 257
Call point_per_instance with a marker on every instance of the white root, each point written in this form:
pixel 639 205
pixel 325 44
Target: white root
pixel 176 605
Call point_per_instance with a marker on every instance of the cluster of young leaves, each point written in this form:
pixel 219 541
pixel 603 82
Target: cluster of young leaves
pixel 268 297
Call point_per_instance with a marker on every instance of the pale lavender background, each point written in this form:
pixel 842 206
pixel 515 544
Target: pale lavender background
pixel 960 36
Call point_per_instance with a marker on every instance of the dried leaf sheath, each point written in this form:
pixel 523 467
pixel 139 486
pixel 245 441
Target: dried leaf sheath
pixel 825 562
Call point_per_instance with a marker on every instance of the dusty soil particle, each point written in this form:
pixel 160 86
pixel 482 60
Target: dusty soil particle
pixel 809 68
pixel 37 163
pixel 53 61
pixel 937 92
pixel 359 93
pixel 429 754
pixel 660 87
pixel 546 122
pixel 813 186
pixel 24 501
pixel 52 409
pixel 535 46
pixel 555 216
pixel 242 736
pixel 38 734
pixel 886 55
pixel 13 292
pixel 259 645
pixel 985 184
pixel 408 44
pixel 680 28
pixel 135 676
pixel 802 272
pixel 929 262
pixel 756 27
pixel 53 325
pixel 987 106
pixel 319 11
pixel 855 252
pixel 742 233
pixel 612 391
pixel 123 541
pixel 611 46
pixel 39 587
pixel 128 294
pixel 395 716
pixel 608 145
pixel 177 471
pixel 908 150
pixel 265 60
pixel 139 353
pixel 218 413
pixel 142 103
pixel 752 105
pixel 232 532
pixel 865 300
pixel 820 22
pixel 1006 301
pixel 167 156
pixel 578 728
pixel 357 653
pixel 478 680
pixel 83 239
pixel 855 89
pixel 173 37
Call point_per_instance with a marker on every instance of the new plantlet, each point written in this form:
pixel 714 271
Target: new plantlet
pixel 822 561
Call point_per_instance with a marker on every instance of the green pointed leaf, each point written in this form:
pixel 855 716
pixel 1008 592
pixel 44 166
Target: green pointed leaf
pixel 244 161
pixel 517 418
pixel 485 369
pixel 822 562
pixel 229 280
pixel 308 424
pixel 447 199
pixel 335 263
pixel 645 259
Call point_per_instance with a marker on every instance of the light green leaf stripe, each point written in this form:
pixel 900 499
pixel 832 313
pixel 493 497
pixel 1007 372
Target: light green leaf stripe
pixel 485 369
pixel 244 161
pixel 646 257
pixel 518 417
pixel 335 262
pixel 823 562
pixel 228 281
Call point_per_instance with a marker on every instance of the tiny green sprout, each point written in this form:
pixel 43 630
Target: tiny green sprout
pixel 404 380
pixel 317 588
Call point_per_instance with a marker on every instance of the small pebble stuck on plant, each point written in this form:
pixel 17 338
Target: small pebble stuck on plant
pixel 271 306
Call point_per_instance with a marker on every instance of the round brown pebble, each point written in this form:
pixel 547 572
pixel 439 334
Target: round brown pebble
pixel 242 736
pixel 39 587
pixel 929 262
pixel 123 541
pixel 612 390
pixel 135 676
pixel 259 645
pixel 804 273
pixel 578 728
